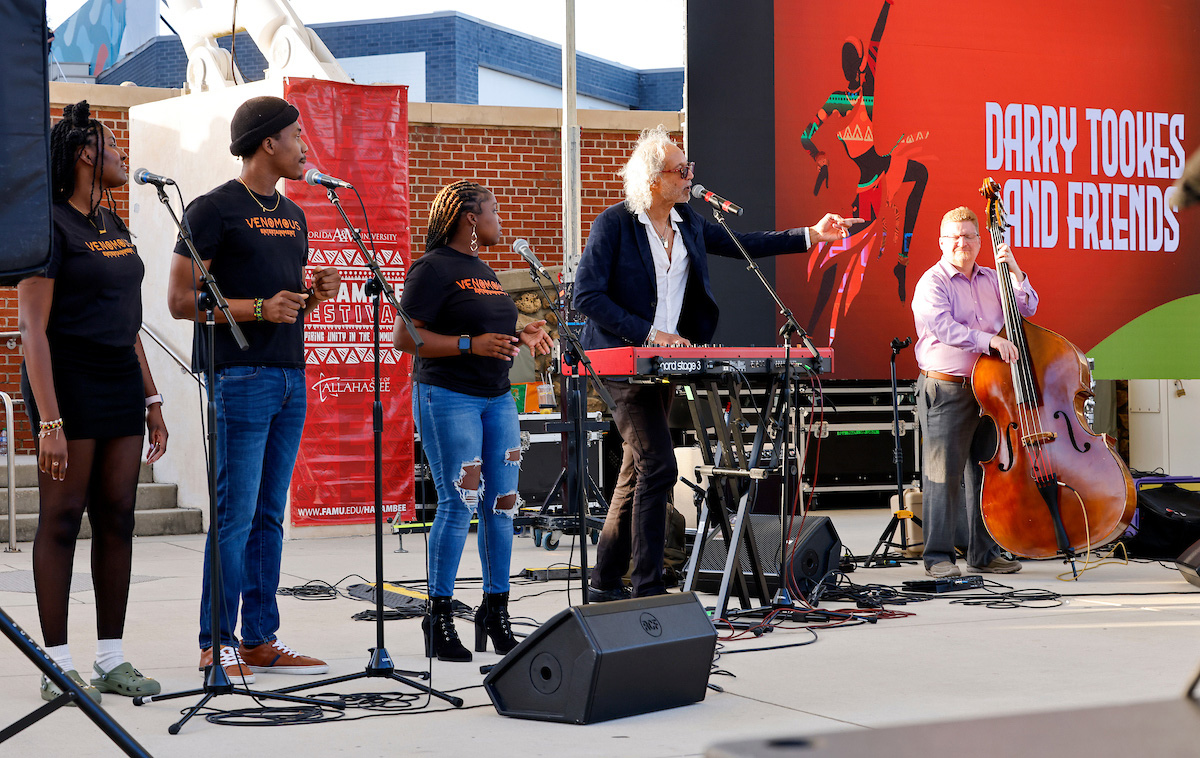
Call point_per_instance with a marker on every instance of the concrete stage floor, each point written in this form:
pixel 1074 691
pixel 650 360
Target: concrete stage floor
pixel 1138 640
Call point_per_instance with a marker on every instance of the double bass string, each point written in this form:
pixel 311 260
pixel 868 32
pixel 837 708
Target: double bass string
pixel 1029 417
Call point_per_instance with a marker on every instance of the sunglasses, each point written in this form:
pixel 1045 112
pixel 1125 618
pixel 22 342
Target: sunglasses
pixel 683 170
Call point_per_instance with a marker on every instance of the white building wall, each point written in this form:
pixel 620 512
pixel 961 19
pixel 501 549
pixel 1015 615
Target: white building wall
pixel 497 88
pixel 393 68
pixel 1164 425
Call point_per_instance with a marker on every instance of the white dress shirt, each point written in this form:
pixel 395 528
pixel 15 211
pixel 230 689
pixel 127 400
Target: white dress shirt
pixel 670 273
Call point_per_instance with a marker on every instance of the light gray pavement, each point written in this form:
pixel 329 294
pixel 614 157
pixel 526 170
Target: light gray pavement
pixel 945 662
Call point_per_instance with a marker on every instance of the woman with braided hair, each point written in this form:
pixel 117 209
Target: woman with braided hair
pixel 90 395
pixel 464 410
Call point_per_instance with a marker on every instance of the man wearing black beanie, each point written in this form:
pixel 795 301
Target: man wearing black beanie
pixel 255 242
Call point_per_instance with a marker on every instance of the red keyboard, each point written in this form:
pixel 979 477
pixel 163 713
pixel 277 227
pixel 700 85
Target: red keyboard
pixel 702 361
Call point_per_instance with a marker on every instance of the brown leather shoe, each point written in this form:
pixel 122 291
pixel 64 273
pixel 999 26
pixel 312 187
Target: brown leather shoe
pixel 276 657
pixel 235 668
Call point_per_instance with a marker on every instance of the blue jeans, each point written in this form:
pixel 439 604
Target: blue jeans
pixel 260 418
pixel 459 433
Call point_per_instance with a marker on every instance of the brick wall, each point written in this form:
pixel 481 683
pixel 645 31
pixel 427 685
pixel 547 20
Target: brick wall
pixel 522 165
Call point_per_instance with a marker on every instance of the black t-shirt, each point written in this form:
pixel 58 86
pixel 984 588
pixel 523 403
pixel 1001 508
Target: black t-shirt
pixel 254 253
pixel 459 294
pixel 97 279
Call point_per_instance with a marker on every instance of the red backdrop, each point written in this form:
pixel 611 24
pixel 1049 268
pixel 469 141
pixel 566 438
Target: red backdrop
pixel 359 134
pixel 968 90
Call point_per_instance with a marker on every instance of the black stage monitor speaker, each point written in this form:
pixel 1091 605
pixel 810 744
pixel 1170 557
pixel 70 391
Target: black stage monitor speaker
pixel 608 660
pixel 1188 562
pixel 24 140
pixel 814 552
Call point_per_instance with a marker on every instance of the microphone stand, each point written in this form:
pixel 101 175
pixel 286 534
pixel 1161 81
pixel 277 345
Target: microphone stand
pixel 71 693
pixel 876 558
pixel 216 679
pixel 577 428
pixel 782 598
pixel 380 665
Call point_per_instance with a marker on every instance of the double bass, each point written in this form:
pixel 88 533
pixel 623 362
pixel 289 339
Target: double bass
pixel 1052 487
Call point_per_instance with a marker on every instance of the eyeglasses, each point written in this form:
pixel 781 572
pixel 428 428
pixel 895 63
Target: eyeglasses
pixel 967 238
pixel 683 170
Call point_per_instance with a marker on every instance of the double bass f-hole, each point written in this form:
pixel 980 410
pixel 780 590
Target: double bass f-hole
pixel 1071 433
pixel 1007 436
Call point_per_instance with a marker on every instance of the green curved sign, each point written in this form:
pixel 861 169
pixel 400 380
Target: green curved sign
pixel 1160 344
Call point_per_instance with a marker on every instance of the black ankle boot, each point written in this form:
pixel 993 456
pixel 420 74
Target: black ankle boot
pixel 441 639
pixel 491 620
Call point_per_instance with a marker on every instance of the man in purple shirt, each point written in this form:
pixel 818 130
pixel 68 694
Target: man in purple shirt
pixel 958 312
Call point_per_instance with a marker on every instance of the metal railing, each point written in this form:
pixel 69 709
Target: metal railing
pixel 12 474
pixel 185 365
pixel 10 453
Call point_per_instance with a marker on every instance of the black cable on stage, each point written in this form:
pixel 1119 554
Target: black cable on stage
pixel 776 647
pixel 992 595
pixel 376 705
pixel 318 589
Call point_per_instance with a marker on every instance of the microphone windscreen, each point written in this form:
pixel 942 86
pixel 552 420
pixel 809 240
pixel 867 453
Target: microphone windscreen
pixel 698 191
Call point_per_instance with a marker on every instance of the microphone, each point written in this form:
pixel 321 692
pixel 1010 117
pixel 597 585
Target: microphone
pixel 521 248
pixel 715 200
pixel 142 176
pixel 315 177
pixel 899 344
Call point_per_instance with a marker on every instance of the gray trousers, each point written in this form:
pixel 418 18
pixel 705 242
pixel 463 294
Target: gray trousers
pixel 953 441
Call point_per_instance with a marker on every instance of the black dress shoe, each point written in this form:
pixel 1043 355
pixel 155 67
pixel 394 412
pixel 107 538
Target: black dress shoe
pixel 605 596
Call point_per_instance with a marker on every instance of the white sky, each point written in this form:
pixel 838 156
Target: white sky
pixel 642 34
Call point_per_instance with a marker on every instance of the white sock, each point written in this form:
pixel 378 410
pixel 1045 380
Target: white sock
pixel 61 655
pixel 109 654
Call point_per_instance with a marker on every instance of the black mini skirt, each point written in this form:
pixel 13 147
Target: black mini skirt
pixel 99 387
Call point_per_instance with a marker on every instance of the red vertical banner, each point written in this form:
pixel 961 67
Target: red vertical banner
pixel 359 134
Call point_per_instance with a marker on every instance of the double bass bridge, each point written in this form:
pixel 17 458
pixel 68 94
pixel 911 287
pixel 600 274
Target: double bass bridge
pixel 1038 438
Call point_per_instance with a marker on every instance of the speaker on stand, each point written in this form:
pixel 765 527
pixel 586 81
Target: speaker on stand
pixel 812 549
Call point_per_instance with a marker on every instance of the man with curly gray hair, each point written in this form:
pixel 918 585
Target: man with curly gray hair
pixel 643 279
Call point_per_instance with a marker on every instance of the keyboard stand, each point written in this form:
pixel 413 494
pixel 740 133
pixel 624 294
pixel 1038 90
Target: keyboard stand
pixel 735 476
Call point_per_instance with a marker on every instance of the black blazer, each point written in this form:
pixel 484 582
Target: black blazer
pixel 615 284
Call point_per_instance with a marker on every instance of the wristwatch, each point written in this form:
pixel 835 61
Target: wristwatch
pixel 464 344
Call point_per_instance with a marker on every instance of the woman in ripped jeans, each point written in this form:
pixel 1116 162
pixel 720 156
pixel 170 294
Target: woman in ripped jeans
pixel 464 410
